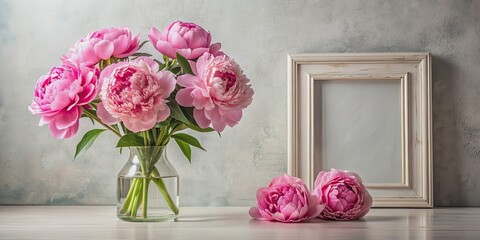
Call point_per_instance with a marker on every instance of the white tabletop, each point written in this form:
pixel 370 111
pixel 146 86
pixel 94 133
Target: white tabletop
pixel 100 222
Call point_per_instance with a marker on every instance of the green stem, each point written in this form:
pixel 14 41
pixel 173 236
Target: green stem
pixel 137 200
pixel 129 197
pixel 160 137
pixel 163 190
pixel 145 138
pixel 145 197
pixel 138 192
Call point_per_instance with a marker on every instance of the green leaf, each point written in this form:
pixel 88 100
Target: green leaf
pixel 199 129
pixel 141 44
pixel 185 64
pixel 95 101
pixel 187 151
pixel 175 70
pixel 176 112
pixel 188 112
pixel 163 123
pixel 187 139
pixel 140 54
pixel 87 141
pixel 179 127
pixel 161 66
pixel 130 140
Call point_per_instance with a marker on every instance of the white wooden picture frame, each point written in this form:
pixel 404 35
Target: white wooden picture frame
pixel 412 73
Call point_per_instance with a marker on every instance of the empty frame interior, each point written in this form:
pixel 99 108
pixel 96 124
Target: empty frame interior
pixel 357 123
pixel 368 113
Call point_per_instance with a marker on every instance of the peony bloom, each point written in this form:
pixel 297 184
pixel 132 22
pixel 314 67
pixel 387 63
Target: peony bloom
pixel 219 91
pixel 135 93
pixel 343 194
pixel 60 95
pixel 187 39
pixel 103 44
pixel 286 199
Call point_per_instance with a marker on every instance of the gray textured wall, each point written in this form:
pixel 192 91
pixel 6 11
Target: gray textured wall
pixel 36 169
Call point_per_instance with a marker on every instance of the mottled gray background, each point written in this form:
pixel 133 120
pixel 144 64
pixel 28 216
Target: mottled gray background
pixel 37 169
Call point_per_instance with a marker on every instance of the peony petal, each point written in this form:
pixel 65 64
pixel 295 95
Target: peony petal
pixel 288 210
pixel 216 119
pixel 255 214
pixel 154 36
pixel 62 100
pixel 134 45
pixel 104 49
pixel 295 215
pixel 215 48
pixel 202 65
pixel 150 62
pixel 177 41
pixel 193 66
pixel 57 133
pixel 184 97
pixel 46 119
pixel 163 114
pixel 261 194
pixel 105 116
pixel 187 80
pixel 72 130
pixel 233 117
pixel 63 133
pixel 315 211
pixel 279 217
pixel 67 118
pixel 167 82
pixel 166 49
pixel 218 126
pixel 185 52
pixel 121 44
pixel 267 215
pixel 87 95
pixel 200 118
pixel 135 125
pixel 197 39
pixel 196 53
pixel 200 101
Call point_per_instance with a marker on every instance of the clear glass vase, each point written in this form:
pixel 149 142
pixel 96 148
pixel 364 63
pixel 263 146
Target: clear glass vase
pixel 147 187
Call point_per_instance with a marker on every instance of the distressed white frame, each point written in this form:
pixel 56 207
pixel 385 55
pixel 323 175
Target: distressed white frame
pixel 413 70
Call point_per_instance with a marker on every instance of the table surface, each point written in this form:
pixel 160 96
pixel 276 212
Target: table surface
pixel 100 222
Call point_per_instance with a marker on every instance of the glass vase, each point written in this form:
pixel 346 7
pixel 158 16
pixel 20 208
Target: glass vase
pixel 147 187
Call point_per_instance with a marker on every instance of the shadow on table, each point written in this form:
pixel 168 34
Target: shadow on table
pixel 201 219
pixel 318 220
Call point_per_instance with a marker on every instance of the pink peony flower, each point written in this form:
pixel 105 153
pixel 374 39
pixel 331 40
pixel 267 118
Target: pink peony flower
pixel 103 44
pixel 343 194
pixel 187 39
pixel 60 95
pixel 219 91
pixel 135 93
pixel 286 199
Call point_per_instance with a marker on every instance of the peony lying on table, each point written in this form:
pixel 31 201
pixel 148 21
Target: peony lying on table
pixel 343 194
pixel 144 101
pixel 286 199
pixel 337 195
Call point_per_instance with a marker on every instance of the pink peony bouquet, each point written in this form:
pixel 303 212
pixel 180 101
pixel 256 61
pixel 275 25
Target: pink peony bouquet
pixel 144 101
pixel 104 77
